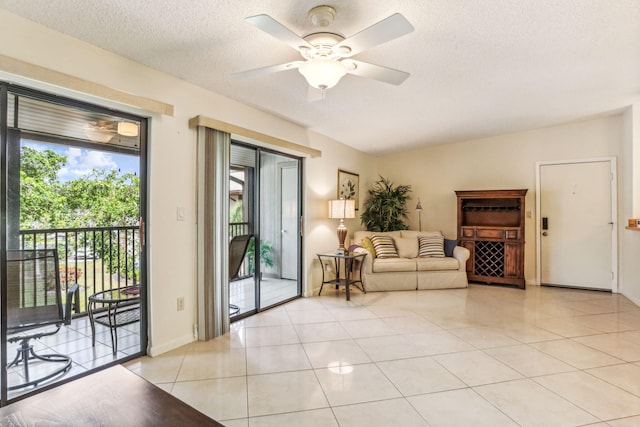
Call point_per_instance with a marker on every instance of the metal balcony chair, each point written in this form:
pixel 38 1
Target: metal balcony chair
pixel 237 250
pixel 35 309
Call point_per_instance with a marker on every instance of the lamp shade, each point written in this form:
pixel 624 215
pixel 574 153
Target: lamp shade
pixel 323 73
pixel 342 208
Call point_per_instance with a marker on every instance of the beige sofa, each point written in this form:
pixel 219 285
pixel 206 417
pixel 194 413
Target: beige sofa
pixel 408 271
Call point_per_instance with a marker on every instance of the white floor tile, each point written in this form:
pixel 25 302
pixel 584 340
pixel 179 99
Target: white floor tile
pixel 284 392
pixel 459 408
pixel 476 368
pixel 481 356
pixel 419 376
pixel 592 394
pixel 393 412
pixel 530 404
pixel 346 385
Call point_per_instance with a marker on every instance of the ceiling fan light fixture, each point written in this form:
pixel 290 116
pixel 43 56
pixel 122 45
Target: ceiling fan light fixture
pixel 322 73
pixel 128 129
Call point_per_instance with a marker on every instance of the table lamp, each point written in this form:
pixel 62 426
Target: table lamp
pixel 341 209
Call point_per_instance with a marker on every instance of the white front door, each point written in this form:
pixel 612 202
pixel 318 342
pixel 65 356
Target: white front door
pixel 577 231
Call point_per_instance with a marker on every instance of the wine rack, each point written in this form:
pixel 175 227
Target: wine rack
pixel 491 226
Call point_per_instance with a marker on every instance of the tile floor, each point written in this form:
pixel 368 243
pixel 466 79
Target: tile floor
pixel 272 291
pixel 482 356
pixel 74 340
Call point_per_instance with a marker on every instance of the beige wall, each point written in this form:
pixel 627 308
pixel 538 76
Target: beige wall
pixel 501 162
pixel 321 186
pixel 630 205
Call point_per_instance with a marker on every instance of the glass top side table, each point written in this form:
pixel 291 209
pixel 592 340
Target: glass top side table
pixel 348 262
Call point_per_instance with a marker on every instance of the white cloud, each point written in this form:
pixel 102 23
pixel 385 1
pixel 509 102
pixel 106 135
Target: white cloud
pixel 80 163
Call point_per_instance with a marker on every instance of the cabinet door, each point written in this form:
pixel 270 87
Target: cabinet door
pixel 471 261
pixel 512 255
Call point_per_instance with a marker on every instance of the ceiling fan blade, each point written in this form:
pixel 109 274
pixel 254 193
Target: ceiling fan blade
pixel 277 30
pixel 377 72
pixel 388 29
pixel 266 70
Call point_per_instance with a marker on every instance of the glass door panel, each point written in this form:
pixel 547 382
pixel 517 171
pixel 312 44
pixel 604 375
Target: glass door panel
pixel 280 214
pixel 72 210
pixel 242 176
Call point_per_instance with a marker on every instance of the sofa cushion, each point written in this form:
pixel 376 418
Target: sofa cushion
pixel 381 265
pixel 366 243
pixel 436 264
pixel 431 246
pixel 413 234
pixel 407 248
pixel 449 246
pixel 361 234
pixel 384 246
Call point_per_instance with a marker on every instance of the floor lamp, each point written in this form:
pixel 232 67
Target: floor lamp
pixel 341 209
pixel 419 210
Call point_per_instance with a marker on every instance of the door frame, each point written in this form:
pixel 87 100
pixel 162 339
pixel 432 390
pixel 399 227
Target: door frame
pixel 613 168
pixel 5 135
pixel 293 164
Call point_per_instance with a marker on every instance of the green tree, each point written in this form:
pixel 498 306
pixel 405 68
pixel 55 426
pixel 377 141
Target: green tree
pixel 41 204
pixel 101 198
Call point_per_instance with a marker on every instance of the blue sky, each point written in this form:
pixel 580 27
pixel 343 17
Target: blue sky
pixel 81 161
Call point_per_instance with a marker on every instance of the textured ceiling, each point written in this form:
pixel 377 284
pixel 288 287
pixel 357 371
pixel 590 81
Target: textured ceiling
pixel 478 67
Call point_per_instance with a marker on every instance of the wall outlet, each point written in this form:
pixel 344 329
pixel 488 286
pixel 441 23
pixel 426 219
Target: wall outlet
pixel 180 303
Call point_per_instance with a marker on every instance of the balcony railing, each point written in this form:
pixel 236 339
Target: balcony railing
pixel 98 259
pixel 101 258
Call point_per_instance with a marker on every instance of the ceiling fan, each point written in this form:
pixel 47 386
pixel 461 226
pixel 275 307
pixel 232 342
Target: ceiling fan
pixel 327 56
pixel 104 130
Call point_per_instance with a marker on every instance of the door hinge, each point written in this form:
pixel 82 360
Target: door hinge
pixel 612 276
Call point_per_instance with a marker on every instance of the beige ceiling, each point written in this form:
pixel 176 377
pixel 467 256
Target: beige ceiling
pixel 478 67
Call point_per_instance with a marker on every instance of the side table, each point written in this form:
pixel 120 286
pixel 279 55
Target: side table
pixel 348 261
pixel 122 308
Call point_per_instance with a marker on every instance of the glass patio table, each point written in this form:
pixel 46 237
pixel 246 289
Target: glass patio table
pixel 116 307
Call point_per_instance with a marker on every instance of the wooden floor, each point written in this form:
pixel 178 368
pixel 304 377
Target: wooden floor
pixel 125 400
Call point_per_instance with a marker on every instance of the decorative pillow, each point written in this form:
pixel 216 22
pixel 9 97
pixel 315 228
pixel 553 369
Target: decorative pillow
pixel 366 243
pixel 449 245
pixel 407 248
pixel 431 246
pixel 384 247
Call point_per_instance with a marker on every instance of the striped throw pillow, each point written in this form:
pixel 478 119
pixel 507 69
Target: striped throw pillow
pixel 431 246
pixel 384 246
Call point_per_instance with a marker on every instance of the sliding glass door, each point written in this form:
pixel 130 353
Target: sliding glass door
pixel 265 203
pixel 279 228
pixel 72 204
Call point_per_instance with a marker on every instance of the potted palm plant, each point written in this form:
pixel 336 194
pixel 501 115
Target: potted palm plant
pixel 386 206
pixel 266 255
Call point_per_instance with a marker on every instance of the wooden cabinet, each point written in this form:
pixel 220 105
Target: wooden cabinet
pixel 491 226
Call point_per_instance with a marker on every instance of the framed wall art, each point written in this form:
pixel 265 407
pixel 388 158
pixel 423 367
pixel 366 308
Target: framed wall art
pixel 349 186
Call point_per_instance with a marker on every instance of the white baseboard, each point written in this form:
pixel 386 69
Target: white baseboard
pixel 634 300
pixel 156 350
